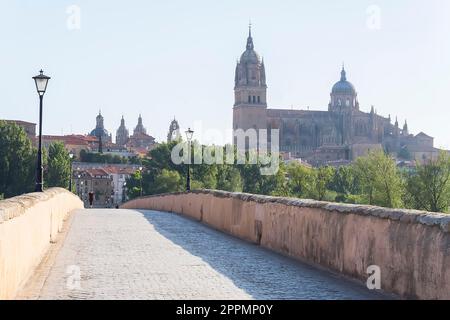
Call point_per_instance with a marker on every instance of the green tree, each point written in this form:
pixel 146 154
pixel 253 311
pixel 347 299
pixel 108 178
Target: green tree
pixel 321 180
pixel 168 181
pixel 58 166
pixel 381 182
pixel 300 179
pixel 17 161
pixel 428 187
pixel 229 178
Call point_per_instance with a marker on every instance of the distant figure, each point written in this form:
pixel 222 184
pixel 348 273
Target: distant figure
pixel 91 199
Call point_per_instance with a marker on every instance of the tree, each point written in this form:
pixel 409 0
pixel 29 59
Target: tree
pixel 428 188
pixel 58 166
pixel 229 178
pixel 169 181
pixel 300 179
pixel 321 180
pixel 381 183
pixel 17 161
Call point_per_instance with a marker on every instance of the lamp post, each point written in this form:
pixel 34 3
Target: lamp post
pixel 41 81
pixel 124 192
pixel 189 134
pixel 70 178
pixel 140 180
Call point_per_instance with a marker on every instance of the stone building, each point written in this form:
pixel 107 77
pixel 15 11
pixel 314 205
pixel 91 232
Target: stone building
pixel 174 131
pixel 122 134
pixel 96 180
pixel 337 135
pixel 28 127
pixel 140 138
pixel 100 132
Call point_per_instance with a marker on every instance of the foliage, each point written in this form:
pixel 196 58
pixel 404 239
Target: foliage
pixel 17 161
pixel 428 188
pixel 93 157
pixel 381 183
pixel 58 167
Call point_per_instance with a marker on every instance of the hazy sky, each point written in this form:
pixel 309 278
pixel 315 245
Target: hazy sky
pixel 177 58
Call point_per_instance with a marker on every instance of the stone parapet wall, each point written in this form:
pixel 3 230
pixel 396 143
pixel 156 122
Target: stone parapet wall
pixel 412 248
pixel 28 224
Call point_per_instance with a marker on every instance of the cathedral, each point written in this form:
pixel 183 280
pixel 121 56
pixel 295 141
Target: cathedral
pixel 335 136
pixel 139 139
pixel 99 131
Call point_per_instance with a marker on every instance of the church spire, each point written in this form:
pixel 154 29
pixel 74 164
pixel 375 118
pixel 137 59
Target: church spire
pixel 250 45
pixel 343 73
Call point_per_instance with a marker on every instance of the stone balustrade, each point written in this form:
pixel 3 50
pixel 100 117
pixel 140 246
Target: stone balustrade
pixel 411 248
pixel 28 224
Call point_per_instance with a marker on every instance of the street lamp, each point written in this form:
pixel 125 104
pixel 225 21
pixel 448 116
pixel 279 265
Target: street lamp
pixel 140 180
pixel 41 85
pixel 70 178
pixel 189 134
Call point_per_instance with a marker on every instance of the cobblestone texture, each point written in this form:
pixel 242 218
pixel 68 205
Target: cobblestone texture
pixel 129 254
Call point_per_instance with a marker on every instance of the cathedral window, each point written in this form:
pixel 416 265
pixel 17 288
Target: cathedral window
pixel 259 99
pixel 254 99
pixel 249 99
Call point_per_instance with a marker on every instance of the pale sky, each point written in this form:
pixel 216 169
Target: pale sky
pixel 177 58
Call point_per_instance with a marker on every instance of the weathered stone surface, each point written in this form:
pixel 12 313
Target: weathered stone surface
pixel 130 254
pixel 410 247
pixel 27 225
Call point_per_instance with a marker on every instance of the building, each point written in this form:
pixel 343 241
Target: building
pixel 140 140
pixel 73 143
pixel 28 127
pixel 339 134
pixel 122 134
pixel 174 131
pixel 95 180
pixel 100 132
pixel 117 175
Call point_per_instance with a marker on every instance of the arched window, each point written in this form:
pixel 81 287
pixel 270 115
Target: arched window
pixel 254 99
pixel 259 99
pixel 348 102
pixel 339 102
pixel 249 99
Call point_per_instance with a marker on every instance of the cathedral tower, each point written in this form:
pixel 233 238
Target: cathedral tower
pixel 122 134
pixel 140 127
pixel 250 90
pixel 343 95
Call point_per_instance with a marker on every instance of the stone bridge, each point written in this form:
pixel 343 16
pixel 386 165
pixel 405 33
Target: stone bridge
pixel 219 245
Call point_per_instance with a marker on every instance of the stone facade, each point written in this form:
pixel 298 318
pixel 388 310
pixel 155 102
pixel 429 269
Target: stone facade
pixel 337 135
pixel 174 131
pixel 28 127
pixel 410 247
pixel 122 134
pixel 100 131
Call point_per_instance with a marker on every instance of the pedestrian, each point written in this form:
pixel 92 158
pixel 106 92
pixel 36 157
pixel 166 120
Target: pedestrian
pixel 91 198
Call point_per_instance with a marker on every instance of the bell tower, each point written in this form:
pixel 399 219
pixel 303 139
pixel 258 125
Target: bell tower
pixel 250 90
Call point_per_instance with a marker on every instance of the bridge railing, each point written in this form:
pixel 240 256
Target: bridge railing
pixel 28 224
pixel 407 251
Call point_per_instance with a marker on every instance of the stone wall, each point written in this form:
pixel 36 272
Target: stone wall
pixel 411 248
pixel 28 224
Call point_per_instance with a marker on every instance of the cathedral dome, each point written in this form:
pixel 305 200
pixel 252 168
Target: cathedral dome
pixel 250 55
pixel 343 86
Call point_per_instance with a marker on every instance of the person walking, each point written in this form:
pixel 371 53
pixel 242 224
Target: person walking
pixel 91 199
